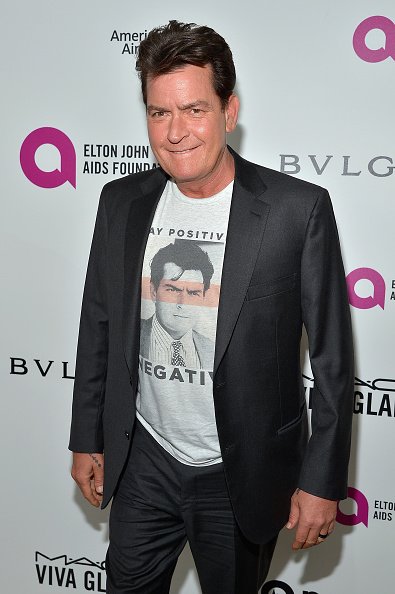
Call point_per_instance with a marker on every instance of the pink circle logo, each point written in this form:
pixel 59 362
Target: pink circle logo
pixel 57 177
pixel 382 53
pixel 362 514
pixel 378 284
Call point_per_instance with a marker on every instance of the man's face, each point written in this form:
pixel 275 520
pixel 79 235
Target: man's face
pixel 186 124
pixel 176 301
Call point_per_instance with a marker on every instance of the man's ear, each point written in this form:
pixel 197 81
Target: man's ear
pixel 232 112
pixel 152 292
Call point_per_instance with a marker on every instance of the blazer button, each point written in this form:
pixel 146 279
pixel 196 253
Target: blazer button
pixel 127 434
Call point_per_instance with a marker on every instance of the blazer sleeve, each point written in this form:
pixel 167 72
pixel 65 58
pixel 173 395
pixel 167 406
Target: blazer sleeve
pixel 326 316
pixel 86 433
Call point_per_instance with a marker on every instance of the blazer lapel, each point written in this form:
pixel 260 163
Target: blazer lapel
pixel 138 226
pixel 247 221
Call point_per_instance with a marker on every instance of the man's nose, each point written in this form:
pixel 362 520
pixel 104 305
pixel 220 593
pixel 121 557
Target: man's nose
pixel 177 129
pixel 180 298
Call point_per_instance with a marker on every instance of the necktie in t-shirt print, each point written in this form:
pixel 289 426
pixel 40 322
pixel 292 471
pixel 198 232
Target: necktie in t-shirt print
pixel 176 358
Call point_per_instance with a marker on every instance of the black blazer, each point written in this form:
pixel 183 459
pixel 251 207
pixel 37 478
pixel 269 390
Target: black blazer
pixel 282 268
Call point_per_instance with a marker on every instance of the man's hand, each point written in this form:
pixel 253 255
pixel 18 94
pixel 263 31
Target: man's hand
pixel 87 471
pixel 313 516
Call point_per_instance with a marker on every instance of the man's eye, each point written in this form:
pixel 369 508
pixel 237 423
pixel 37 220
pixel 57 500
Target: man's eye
pixel 196 111
pixel 157 114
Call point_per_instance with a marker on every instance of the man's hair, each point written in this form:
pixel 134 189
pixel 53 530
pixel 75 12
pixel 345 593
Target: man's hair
pixel 185 254
pixel 173 46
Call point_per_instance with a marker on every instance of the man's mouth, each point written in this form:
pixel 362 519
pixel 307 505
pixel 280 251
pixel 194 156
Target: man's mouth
pixel 183 151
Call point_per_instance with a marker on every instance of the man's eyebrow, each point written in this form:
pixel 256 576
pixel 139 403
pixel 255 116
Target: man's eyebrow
pixel 173 287
pixel 197 103
pixel 184 107
pixel 151 108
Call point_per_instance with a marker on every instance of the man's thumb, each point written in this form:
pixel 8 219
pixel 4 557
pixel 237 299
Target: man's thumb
pixel 99 488
pixel 98 480
pixel 293 516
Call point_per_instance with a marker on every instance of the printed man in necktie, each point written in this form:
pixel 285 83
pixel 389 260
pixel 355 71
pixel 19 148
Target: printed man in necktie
pixel 181 273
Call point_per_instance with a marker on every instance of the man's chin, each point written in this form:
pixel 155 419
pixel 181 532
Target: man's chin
pixel 182 177
pixel 177 334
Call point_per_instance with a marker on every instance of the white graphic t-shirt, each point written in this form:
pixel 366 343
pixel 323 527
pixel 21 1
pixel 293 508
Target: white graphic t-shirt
pixel 181 282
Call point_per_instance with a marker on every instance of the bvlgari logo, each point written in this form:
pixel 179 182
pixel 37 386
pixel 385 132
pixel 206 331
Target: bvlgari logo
pixel 345 165
pixel 66 572
pixel 43 368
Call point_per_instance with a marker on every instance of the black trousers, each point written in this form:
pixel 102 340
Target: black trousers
pixel 161 504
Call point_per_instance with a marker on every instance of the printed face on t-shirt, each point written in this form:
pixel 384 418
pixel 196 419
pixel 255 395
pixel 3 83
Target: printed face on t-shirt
pixel 176 298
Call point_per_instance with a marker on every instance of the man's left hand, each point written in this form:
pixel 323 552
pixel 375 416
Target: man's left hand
pixel 313 517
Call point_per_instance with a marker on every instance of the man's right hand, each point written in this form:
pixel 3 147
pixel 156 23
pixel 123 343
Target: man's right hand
pixel 87 471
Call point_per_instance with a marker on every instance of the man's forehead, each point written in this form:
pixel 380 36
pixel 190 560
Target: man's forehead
pixel 171 272
pixel 201 71
pixel 184 80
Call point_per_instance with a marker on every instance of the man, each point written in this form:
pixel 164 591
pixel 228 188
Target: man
pixel 222 459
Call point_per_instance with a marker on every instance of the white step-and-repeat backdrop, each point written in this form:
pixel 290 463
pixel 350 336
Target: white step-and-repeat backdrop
pixel 316 83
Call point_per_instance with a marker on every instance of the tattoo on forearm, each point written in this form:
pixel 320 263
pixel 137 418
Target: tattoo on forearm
pixel 96 461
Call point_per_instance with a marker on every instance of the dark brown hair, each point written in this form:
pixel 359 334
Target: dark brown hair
pixel 176 44
pixel 187 255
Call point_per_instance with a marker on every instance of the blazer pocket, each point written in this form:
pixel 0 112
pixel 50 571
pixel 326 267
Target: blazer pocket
pixel 273 287
pixel 294 422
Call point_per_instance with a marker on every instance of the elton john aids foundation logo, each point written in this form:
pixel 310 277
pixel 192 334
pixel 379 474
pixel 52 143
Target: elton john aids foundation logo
pixel 57 177
pixel 378 287
pixel 361 516
pixel 379 54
